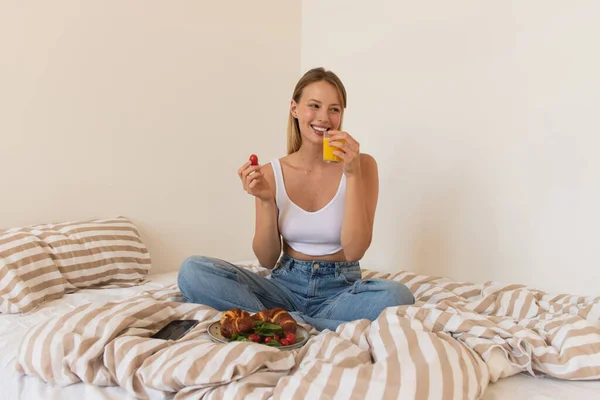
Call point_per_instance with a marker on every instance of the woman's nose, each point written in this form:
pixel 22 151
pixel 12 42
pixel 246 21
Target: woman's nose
pixel 323 115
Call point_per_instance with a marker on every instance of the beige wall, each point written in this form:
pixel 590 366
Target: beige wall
pixel 144 109
pixel 483 117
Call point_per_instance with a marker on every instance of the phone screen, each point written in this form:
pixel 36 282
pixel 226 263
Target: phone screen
pixel 175 329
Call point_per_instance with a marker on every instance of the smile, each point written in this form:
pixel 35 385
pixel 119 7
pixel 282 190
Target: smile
pixel 319 130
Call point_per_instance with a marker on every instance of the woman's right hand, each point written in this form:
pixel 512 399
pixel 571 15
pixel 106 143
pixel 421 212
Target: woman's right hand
pixel 254 181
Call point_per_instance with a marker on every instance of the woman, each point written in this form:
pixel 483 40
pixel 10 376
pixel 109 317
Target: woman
pixel 319 214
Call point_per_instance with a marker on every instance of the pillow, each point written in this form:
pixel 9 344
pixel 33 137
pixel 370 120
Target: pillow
pixel 41 263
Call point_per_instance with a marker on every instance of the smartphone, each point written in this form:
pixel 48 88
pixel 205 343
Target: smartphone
pixel 175 329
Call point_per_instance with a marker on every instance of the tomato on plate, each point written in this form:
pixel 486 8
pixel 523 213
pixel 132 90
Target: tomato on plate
pixel 291 337
pixel 254 337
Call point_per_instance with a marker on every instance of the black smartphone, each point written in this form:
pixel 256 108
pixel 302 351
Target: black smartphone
pixel 175 329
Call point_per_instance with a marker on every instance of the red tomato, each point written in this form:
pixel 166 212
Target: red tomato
pixel 268 339
pixel 284 342
pixel 253 159
pixel 254 337
pixel 291 337
pixel 276 336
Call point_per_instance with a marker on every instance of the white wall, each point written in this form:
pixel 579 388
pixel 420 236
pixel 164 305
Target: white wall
pixel 144 109
pixel 483 118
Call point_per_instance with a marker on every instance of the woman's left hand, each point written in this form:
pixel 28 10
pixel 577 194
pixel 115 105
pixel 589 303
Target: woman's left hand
pixel 348 150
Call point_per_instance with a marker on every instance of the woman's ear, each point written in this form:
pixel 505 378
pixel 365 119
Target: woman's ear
pixel 293 106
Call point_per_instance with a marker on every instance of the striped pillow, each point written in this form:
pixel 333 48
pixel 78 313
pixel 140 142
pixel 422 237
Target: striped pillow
pixel 41 263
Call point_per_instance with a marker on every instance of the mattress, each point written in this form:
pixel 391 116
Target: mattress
pixel 13 328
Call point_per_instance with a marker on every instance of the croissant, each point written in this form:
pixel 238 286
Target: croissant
pixel 264 316
pixel 277 316
pixel 284 319
pixel 235 321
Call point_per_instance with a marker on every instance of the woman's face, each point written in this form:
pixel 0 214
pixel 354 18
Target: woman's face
pixel 318 110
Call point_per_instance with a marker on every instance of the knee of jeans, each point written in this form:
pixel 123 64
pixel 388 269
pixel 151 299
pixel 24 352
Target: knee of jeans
pixel 397 294
pixel 403 295
pixel 190 268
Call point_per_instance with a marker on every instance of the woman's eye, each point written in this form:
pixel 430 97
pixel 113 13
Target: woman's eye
pixel 335 110
pixel 314 105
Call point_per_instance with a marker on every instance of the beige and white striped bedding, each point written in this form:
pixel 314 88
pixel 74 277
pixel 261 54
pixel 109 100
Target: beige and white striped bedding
pixel 42 263
pixel 449 345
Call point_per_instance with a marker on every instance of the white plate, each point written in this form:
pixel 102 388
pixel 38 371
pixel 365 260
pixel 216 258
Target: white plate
pixel 214 331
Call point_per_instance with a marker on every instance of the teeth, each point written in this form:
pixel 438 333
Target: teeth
pixel 316 128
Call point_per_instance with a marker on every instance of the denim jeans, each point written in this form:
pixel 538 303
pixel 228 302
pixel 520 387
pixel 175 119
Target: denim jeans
pixel 322 294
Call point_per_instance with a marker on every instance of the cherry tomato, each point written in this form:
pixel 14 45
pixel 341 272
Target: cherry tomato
pixel 254 337
pixel 291 337
pixel 253 159
pixel 284 342
pixel 268 339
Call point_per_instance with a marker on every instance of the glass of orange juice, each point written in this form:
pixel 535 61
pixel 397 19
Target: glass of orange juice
pixel 328 150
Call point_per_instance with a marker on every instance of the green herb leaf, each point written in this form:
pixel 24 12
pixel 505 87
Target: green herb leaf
pixel 272 327
pixel 239 337
pixel 266 329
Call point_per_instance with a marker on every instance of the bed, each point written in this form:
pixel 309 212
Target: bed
pixel 460 340
pixel 14 326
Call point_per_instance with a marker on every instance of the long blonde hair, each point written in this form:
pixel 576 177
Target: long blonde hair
pixel 294 139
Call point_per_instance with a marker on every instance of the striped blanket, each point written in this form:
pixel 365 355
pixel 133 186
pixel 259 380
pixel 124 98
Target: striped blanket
pixel 450 344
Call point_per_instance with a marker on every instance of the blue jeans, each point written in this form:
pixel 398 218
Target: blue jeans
pixel 322 294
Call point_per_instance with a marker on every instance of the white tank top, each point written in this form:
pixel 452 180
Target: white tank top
pixel 315 233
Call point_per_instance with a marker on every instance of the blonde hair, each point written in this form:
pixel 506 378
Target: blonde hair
pixel 294 139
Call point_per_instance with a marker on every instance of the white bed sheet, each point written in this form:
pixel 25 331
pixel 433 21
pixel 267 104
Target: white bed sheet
pixel 526 387
pixel 16 387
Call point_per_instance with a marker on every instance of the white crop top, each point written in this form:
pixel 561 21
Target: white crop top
pixel 315 233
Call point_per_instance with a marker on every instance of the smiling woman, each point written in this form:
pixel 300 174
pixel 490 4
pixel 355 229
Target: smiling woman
pixel 317 90
pixel 319 214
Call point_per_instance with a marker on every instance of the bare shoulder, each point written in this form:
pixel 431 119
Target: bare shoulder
pixel 368 165
pixel 267 171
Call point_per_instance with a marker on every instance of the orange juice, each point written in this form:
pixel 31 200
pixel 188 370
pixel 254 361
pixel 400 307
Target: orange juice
pixel 328 150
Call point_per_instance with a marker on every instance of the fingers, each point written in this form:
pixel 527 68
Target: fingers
pixel 338 144
pixel 345 148
pixel 252 180
pixel 342 155
pixel 251 176
pixel 340 135
pixel 248 170
pixel 242 168
pixel 252 184
pixel 345 137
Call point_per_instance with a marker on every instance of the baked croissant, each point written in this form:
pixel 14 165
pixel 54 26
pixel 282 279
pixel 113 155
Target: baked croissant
pixel 277 316
pixel 264 316
pixel 235 321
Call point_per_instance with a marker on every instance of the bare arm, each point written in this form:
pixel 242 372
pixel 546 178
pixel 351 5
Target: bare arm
pixel 260 182
pixel 267 243
pixel 362 192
